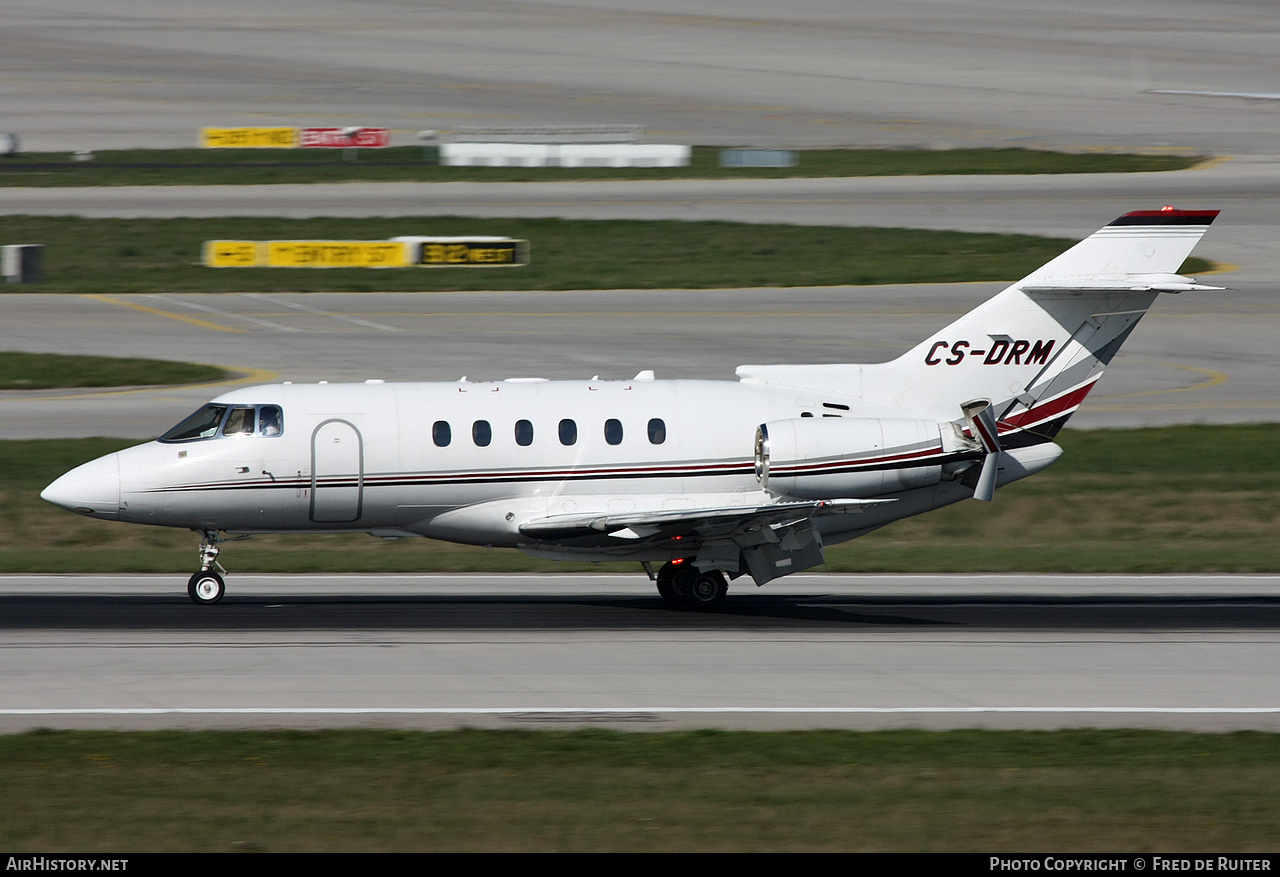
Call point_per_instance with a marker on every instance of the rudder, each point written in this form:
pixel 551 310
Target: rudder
pixel 1036 349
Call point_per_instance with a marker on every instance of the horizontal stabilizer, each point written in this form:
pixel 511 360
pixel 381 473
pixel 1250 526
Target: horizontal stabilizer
pixel 1129 283
pixel 1142 243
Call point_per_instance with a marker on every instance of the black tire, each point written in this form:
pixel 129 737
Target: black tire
pixel 667 592
pixel 206 588
pixel 671 583
pixel 706 591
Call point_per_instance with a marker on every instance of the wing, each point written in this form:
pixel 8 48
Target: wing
pixel 703 523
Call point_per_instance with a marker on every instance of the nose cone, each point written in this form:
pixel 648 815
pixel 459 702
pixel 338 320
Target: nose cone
pixel 91 489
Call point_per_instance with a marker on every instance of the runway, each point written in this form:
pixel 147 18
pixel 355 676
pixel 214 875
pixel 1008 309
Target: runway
pixel 110 73
pixel 525 651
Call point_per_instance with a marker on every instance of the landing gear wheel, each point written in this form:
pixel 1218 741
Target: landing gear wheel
pixel 672 581
pixel 706 591
pixel 206 588
pixel 668 593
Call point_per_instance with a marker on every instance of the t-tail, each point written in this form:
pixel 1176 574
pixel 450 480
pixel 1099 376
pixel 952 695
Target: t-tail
pixel 1036 349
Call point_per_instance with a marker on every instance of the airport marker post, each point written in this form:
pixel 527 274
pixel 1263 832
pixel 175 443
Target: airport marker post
pixel 20 263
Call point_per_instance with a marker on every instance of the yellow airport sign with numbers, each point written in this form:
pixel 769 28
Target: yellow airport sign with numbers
pixel 336 254
pixel 234 254
pixel 479 251
pixel 403 252
pixel 249 138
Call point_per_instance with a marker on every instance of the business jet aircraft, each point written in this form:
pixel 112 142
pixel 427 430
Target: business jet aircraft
pixel 703 479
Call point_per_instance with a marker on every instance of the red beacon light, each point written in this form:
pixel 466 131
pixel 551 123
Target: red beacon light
pixel 1168 208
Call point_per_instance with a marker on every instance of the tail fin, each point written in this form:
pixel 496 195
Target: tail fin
pixel 1036 349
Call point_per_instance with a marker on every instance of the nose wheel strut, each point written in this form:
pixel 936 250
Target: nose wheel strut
pixel 206 587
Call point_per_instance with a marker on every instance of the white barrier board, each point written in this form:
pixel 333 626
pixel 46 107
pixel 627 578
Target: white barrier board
pixel 619 155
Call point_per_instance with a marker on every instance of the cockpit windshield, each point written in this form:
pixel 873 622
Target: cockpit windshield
pixel 228 420
pixel 203 424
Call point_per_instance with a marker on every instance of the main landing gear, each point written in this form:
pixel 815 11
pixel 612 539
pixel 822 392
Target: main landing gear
pixel 207 587
pixel 681 584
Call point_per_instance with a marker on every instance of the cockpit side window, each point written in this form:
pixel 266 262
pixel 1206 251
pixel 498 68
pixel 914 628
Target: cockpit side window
pixel 239 422
pixel 270 420
pixel 203 424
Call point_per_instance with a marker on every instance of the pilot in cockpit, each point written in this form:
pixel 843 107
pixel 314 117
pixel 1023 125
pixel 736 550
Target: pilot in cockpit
pixel 270 420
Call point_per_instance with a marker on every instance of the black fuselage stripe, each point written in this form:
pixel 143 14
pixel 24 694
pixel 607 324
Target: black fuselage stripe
pixel 384 481
pixel 1025 436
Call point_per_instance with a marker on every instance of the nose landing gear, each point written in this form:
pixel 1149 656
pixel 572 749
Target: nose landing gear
pixel 207 587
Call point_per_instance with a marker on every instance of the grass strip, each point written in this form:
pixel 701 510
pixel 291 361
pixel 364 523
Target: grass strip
pixel 1172 499
pixel 366 791
pixel 41 371
pixel 195 167
pixel 163 255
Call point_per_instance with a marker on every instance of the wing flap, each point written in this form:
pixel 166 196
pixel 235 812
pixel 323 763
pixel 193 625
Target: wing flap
pixel 720 520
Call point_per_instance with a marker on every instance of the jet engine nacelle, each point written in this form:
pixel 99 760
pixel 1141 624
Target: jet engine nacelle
pixel 847 457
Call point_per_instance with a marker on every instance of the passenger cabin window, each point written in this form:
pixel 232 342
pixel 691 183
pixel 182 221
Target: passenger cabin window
pixel 239 422
pixel 481 433
pixel 657 431
pixel 524 433
pixel 613 431
pixel 203 424
pixel 568 432
pixel 441 434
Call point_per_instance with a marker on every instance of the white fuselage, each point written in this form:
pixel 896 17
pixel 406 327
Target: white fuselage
pixel 374 458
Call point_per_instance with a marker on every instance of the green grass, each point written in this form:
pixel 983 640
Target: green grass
pixel 1175 499
pixel 163 255
pixel 40 371
pixel 496 791
pixel 189 167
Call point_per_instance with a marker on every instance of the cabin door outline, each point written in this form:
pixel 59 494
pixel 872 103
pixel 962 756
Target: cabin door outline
pixel 337 472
